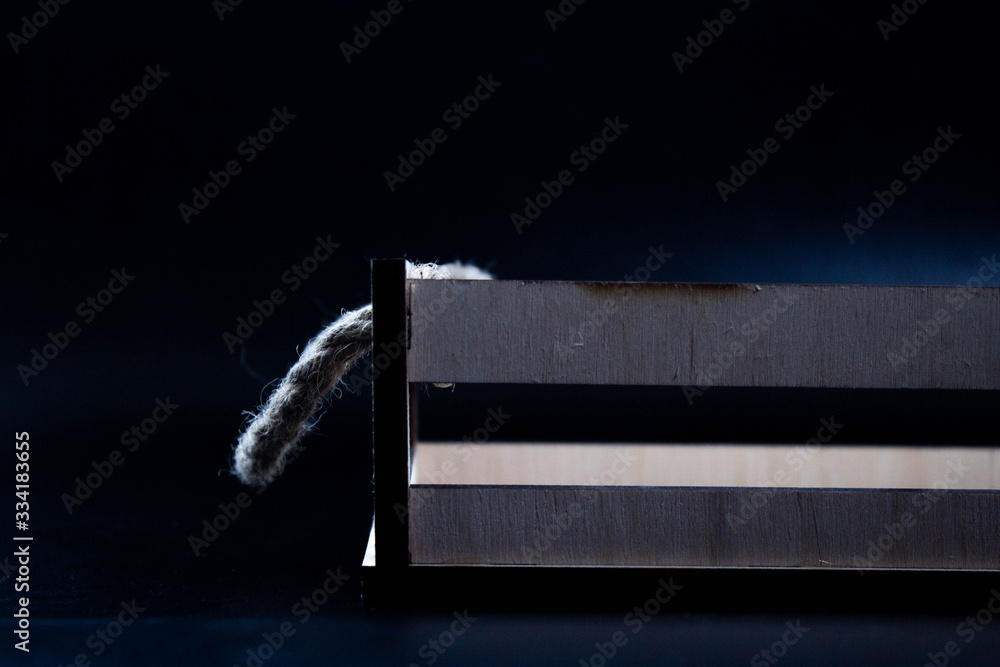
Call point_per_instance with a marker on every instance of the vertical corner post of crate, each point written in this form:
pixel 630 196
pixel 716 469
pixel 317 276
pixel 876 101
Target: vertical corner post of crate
pixel 390 414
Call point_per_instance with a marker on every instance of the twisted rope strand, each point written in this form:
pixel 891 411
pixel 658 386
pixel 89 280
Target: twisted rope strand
pixel 290 411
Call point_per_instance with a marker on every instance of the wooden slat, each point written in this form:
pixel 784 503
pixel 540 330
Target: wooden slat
pixel 704 334
pixel 390 414
pixel 710 465
pixel 691 527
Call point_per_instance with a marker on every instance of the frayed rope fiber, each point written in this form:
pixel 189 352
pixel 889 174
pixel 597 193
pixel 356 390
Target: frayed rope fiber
pixel 289 413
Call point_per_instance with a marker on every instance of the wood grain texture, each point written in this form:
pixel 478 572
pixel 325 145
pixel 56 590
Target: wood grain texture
pixel 704 334
pixel 681 505
pixel 692 527
pixel 713 465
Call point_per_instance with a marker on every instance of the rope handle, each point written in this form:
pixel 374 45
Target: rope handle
pixel 291 410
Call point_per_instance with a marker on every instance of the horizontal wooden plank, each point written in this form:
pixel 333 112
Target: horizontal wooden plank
pixel 708 465
pixel 850 336
pixel 691 527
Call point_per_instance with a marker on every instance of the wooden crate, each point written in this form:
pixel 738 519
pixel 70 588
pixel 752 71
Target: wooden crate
pixel 677 504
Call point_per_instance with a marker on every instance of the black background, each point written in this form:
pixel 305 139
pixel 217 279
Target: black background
pixel 323 176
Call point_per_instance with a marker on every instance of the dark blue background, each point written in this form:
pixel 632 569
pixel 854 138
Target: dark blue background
pixel 323 176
